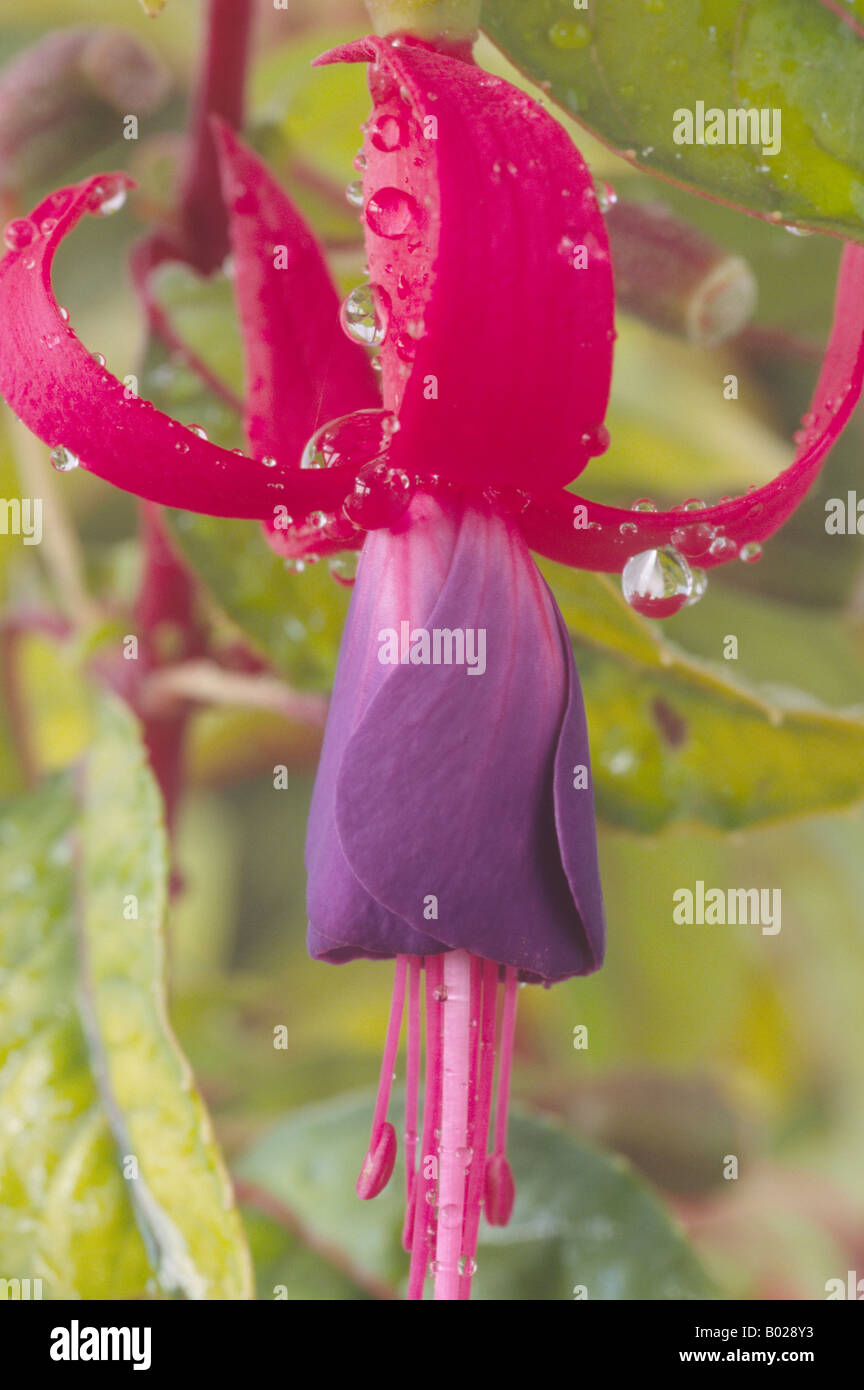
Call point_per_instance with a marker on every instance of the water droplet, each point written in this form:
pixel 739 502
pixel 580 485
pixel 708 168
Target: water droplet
pixel 464 1156
pixel 360 162
pixel 450 1215
pixel 344 568
pixel 700 585
pixel 317 520
pixel 606 197
pixel 797 231
pixel 389 133
pixel 440 993
pixel 268 461
pixel 364 315
pixel 693 504
pixel 628 528
pixel 657 583
pixel 98 358
pixel 693 540
pixel 63 459
pixel 47 225
pixel 467 1266
pixel 295 565
pixel 750 552
pixel 389 212
pixel 595 440
pixel 569 34
pixel 723 548
pixel 199 430
pixel 354 193
pixel 644 504
pixel 18 233
pixel 108 196
pixel 359 438
pixel 63 312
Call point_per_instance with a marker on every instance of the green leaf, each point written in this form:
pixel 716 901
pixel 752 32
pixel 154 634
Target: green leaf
pixel 581 1217
pixel 624 67
pixel 180 1190
pixel 677 740
pixel 294 620
pixel 104 1138
pixel 65 1214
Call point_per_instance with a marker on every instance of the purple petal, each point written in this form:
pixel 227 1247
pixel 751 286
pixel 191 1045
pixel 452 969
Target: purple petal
pixel 438 786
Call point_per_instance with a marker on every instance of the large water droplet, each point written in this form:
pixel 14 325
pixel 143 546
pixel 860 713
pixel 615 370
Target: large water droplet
pixel 750 552
pixel 108 196
pixel 389 133
pixel 694 539
pixel 390 212
pixel 362 437
pixel 364 315
pixel 344 568
pixel 723 548
pixel 606 197
pixel 700 585
pixel 380 498
pixel 18 233
pixel 657 583
pixel 63 459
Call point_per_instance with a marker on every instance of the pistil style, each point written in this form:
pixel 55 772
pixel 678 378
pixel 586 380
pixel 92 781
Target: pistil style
pixel 446 1192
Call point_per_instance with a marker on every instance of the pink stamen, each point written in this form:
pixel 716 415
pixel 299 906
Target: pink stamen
pixel 412 1073
pixel 505 1058
pixel 457 1082
pixel 500 1190
pixel 381 1156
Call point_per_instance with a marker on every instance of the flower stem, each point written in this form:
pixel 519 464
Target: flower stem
pixel 220 92
pixel 456 1082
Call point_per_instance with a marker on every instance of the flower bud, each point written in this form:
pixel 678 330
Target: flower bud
pixel 676 278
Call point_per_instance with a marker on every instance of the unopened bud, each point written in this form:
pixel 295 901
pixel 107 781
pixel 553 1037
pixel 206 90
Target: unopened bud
pixel 500 1190
pixel 676 278
pixel 378 1164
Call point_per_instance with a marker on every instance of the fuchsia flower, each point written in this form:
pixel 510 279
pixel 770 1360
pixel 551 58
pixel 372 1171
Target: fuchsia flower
pixel 452 824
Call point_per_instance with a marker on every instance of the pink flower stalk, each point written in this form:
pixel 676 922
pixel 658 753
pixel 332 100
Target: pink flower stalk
pixel 452 824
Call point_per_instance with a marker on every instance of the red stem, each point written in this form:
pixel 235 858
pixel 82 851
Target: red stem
pixel 220 92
